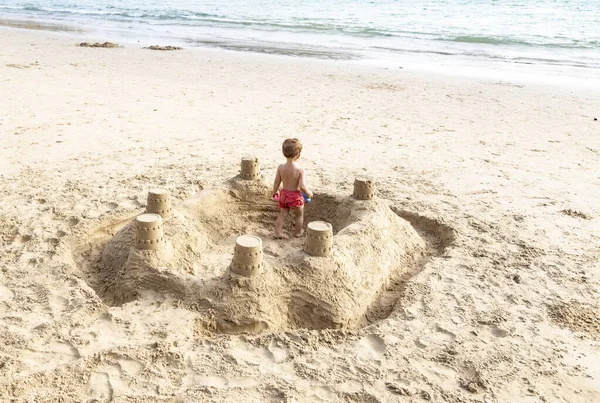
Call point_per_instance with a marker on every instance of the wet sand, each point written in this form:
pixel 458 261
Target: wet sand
pixel 39 25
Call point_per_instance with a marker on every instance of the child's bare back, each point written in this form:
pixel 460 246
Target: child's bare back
pixel 291 174
pixel 294 183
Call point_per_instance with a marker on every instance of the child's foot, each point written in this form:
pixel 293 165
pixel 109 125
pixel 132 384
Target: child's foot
pixel 281 235
pixel 298 234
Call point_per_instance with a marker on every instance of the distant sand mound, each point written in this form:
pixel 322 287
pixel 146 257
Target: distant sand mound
pixel 157 47
pixel 99 45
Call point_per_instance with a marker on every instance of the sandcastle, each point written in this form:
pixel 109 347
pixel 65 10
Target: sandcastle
pixel 247 256
pixel 216 253
pixel 149 232
pixel 319 239
pixel 159 202
pixel 364 188
pixel 250 168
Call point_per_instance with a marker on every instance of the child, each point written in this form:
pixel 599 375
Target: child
pixel 294 183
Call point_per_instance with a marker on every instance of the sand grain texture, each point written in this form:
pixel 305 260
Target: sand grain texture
pixel 500 180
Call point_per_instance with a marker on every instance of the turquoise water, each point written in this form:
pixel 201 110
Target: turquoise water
pixel 539 32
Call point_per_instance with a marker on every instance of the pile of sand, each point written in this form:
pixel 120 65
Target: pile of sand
pixel 158 47
pixel 99 45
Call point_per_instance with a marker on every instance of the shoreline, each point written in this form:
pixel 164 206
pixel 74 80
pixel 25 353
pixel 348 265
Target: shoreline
pixel 482 68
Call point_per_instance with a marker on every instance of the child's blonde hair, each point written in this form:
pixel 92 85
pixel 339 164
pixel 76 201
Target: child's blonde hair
pixel 291 148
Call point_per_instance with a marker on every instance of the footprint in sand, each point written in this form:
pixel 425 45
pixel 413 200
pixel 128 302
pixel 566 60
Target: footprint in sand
pixel 350 386
pixel 22 239
pixel 278 353
pixel 498 332
pixel 110 206
pixel 101 387
pixel 131 367
pixel 323 393
pixel 57 303
pixel 247 353
pixel 48 356
pixel 6 294
pixel 371 347
pixel 210 381
pixel 83 336
pixel 65 348
pixel 441 337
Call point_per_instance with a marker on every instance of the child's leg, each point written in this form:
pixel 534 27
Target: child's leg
pixel 283 213
pixel 299 220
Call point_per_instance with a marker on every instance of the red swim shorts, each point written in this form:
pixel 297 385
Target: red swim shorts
pixel 290 198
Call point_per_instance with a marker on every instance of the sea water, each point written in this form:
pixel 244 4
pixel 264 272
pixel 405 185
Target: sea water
pixel 559 35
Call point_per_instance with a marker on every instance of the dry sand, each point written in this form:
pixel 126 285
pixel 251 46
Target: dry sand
pixel 503 177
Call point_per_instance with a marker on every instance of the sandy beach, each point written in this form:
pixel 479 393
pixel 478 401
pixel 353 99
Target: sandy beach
pixel 500 179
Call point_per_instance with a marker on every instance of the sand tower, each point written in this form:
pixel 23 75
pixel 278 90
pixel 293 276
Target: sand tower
pixel 149 232
pixel 364 188
pixel 247 256
pixel 159 203
pixel 319 239
pixel 250 168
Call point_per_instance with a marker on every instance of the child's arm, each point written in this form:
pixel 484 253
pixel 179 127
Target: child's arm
pixel 302 184
pixel 276 183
